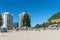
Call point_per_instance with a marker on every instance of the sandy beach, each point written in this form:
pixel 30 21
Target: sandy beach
pixel 31 35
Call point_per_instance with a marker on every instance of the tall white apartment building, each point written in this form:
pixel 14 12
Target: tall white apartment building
pixel 7 20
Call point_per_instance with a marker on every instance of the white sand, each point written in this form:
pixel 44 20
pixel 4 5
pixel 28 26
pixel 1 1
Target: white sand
pixel 31 35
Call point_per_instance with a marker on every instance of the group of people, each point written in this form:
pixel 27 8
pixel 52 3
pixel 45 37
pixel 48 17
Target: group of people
pixel 35 29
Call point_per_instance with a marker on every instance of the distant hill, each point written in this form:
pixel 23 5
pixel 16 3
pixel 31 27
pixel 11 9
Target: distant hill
pixel 55 16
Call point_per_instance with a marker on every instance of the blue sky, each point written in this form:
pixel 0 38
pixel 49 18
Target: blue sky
pixel 39 10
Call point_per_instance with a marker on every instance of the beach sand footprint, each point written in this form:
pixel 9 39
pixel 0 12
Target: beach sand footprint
pixel 3 35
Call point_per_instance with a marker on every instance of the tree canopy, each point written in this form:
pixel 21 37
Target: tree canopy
pixel 55 16
pixel 1 22
pixel 41 25
pixel 26 20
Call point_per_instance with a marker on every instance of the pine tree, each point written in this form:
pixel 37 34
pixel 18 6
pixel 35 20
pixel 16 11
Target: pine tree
pixel 1 22
pixel 26 20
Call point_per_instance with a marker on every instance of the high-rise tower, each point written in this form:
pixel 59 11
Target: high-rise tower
pixel 7 20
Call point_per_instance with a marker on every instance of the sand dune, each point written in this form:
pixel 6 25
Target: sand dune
pixel 31 35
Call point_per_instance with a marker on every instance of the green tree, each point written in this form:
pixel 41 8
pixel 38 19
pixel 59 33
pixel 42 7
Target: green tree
pixel 50 22
pixel 26 20
pixel 44 25
pixel 1 20
pixel 41 25
pixel 37 26
pixel 55 16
